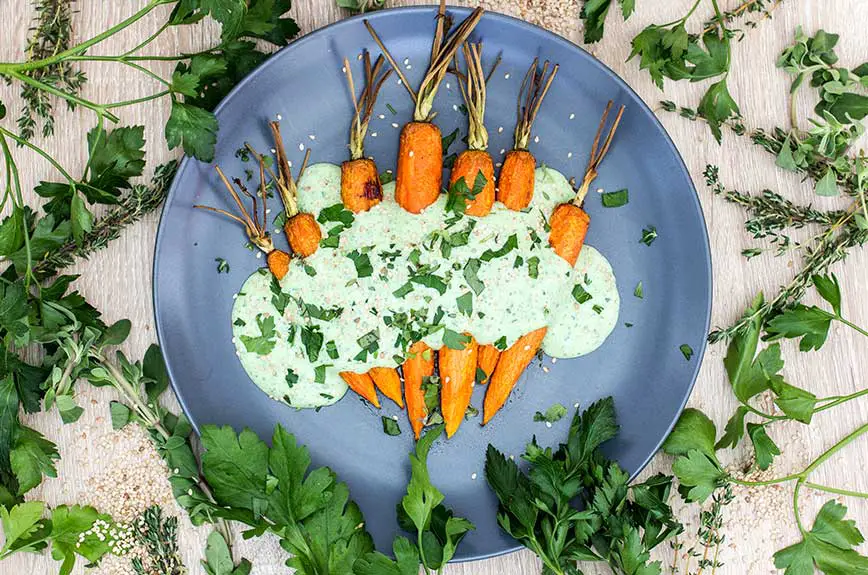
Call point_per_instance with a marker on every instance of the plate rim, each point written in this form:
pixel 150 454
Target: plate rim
pixel 186 161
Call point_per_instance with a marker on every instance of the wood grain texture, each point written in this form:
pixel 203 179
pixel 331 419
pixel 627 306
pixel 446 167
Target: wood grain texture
pixel 118 279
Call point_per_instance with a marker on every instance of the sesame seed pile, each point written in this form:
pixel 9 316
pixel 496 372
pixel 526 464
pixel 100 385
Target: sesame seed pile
pixel 560 17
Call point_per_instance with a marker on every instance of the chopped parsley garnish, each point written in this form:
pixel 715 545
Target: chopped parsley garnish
pixel 403 290
pixel 322 313
pixel 370 343
pixel 312 339
pixel 500 343
pixel 686 351
pixel 455 340
pixel 386 177
pixel 390 257
pixel 580 295
pixel 470 413
pixel 239 322
pixel 261 344
pixel 309 269
pixel 332 349
pixel 222 266
pixel 649 234
pixel 448 139
pixel 628 324
pixel 551 415
pixel 519 261
pixel 615 199
pixel 459 194
pixel 480 375
pixel 598 309
pixel 438 315
pixel 534 238
pixel 279 299
pixel 362 262
pixel 533 267
pixel 339 214
pixel 465 303
pixel 291 377
pixel 319 373
pixel 510 244
pixel 326 396
pixel 290 334
pixel 391 109
pixel 390 426
pixel 471 275
pixel 639 292
pixel 430 280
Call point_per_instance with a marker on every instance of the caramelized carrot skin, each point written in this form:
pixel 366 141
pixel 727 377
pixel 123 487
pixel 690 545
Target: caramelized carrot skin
pixel 303 234
pixel 360 185
pixel 387 380
pixel 569 225
pixel 457 376
pixel 278 263
pixel 510 366
pixel 362 384
pixel 487 360
pixel 415 369
pixel 515 188
pixel 467 165
pixel 420 166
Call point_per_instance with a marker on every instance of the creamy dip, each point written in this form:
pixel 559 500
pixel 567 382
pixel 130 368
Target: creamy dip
pixel 385 278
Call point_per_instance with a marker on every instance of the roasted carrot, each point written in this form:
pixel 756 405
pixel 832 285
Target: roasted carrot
pixel 420 147
pixel 418 365
pixel 515 186
pixel 302 230
pixel 388 381
pixel 486 360
pixel 509 368
pixel 457 377
pixel 360 181
pixel 569 223
pixel 277 260
pixel 362 384
pixel 475 160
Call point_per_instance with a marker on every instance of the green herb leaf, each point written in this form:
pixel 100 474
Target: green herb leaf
pixel 693 431
pixel 649 234
pixel 686 351
pixel 390 426
pixel 263 343
pixel 764 448
pixel 192 128
pixel 465 303
pixel 222 266
pixel 829 289
pixel 580 294
pixel 312 339
pixel 362 263
pixel 827 185
pixel 809 323
pixel 698 474
pixel 734 430
pixel 553 414
pixel 510 244
pixel 638 291
pixel 455 340
pixel 615 199
pixel 533 267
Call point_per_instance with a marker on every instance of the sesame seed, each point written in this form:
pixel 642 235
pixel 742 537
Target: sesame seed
pixel 536 139
pixel 473 476
pixel 448 86
pixel 394 124
pixel 572 116
pixel 569 154
pixel 498 164
pixel 258 255
pixel 406 61
pixel 399 81
pixel 576 405
pixel 382 116
pixel 527 347
pixel 503 150
pixel 359 57
pixel 344 69
pixel 600 190
pixel 500 129
pixel 311 136
pixel 300 147
pixel 549 424
pixel 447 380
pixel 545 369
pixel 279 117
pixel 395 418
pixel 273 151
pixel 373 134
pixel 409 66
pixel 506 76
pixel 554 360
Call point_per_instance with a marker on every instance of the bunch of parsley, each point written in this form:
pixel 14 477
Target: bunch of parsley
pixel 573 505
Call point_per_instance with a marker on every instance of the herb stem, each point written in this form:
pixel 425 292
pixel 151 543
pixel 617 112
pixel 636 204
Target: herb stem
pixel 826 488
pixel 838 400
pixel 850 324
pixel 784 479
pixel 9 68
pixel 685 18
pixel 147 40
pixel 796 512
pixel 760 413
pixel 72 98
pixel 138 100
pixel 22 142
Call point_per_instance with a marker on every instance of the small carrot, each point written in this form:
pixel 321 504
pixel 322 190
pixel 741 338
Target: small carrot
pixel 388 381
pixel 360 182
pixel 302 231
pixel 418 366
pixel 475 160
pixel 569 223
pixel 277 260
pixel 420 146
pixel 457 377
pixel 516 183
pixel 362 384
pixel 487 361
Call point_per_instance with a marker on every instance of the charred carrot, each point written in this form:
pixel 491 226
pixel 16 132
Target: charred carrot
pixel 486 360
pixel 475 160
pixel 569 223
pixel 418 366
pixel 387 380
pixel 515 186
pixel 360 181
pixel 420 147
pixel 457 376
pixel 277 260
pixel 302 231
pixel 362 384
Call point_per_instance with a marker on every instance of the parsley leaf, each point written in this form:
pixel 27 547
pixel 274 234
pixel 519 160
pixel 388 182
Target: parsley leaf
pixel 554 413
pixel 649 234
pixel 455 340
pixel 580 294
pixel 510 244
pixel 390 426
pixel 194 129
pixel 362 262
pixel 465 303
pixel 615 199
pixel 263 343
pixel 459 194
pixel 471 275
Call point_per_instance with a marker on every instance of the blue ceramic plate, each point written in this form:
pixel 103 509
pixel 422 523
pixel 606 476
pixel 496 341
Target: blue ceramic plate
pixel 641 366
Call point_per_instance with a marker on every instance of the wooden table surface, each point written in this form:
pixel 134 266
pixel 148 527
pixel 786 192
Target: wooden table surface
pixel 118 279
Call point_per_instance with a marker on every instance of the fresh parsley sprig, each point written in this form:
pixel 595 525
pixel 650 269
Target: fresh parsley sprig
pixel 614 522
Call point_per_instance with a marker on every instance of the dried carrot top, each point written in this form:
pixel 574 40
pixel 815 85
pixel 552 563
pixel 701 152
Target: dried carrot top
pixel 472 88
pixel 598 151
pixel 533 89
pixel 363 106
pixel 443 49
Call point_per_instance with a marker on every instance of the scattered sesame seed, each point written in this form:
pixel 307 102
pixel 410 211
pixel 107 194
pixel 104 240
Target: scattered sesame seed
pixel 545 369
pixel 394 124
pixel 382 116
pixel 399 81
pixel 344 69
pixel 600 190
pixel 549 424
pixel 409 66
pixel 258 255
pixel 572 116
pixel 527 347
pixel 569 154
pixel 410 154
pixel 506 76
pixel 311 136
pixel 448 86
pixel 576 405
pixel 300 147
pixel 447 380
pixel 536 139
pixel 498 164
pixel 554 360
pixel 500 129
pixel 373 134
pixel 279 117
pixel 273 151
pixel 473 476
pixel 395 417
pixel 455 107
pixel 503 150
pixel 406 61
pixel 359 57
